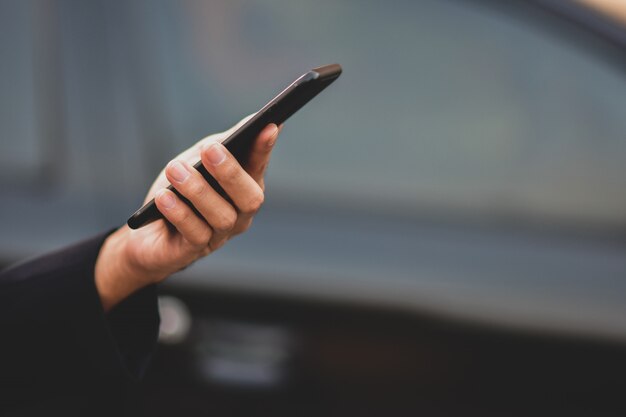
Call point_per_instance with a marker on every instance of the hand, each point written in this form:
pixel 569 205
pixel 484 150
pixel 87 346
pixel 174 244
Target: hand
pixel 131 259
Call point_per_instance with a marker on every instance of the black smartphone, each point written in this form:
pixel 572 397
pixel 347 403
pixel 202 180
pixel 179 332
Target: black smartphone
pixel 289 101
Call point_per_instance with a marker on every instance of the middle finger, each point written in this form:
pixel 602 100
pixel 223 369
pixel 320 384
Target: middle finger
pixel 242 189
pixel 217 212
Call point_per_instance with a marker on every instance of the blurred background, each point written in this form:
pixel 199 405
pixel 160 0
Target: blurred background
pixel 444 228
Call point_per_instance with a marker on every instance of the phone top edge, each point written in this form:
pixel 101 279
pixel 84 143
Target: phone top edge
pixel 328 71
pixel 307 77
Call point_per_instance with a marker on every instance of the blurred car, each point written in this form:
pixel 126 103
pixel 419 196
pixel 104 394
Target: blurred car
pixel 444 227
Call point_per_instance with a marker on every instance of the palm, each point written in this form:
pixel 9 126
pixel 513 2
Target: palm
pixel 157 246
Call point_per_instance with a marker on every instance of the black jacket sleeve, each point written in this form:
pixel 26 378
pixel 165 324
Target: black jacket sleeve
pixel 58 349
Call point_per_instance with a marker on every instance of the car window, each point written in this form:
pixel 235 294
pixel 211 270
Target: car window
pixel 451 106
pixel 19 143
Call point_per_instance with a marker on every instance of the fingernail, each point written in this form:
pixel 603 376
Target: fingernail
pixel 178 171
pixel 167 200
pixel 273 137
pixel 216 154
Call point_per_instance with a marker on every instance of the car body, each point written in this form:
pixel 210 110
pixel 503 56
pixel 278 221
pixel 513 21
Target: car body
pixel 444 227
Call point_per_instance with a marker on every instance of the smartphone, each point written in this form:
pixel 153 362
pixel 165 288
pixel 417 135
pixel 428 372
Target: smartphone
pixel 239 143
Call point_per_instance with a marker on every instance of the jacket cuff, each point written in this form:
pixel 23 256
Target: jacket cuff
pixel 54 317
pixel 123 340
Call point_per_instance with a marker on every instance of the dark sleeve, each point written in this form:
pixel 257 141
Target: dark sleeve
pixel 56 339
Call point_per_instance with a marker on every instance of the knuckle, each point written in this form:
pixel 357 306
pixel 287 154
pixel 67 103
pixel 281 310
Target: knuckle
pixel 226 222
pixel 197 188
pixel 196 240
pixel 255 202
pixel 183 216
pixel 204 236
pixel 230 172
pixel 208 234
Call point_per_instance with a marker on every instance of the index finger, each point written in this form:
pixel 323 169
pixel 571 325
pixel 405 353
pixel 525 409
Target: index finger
pixel 261 151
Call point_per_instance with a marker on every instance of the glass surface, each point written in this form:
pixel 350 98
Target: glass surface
pixel 19 138
pixel 443 105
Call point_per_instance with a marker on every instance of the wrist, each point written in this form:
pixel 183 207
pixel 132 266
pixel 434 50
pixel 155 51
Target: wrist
pixel 115 275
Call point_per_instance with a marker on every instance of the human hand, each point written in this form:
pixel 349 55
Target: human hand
pixel 131 259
